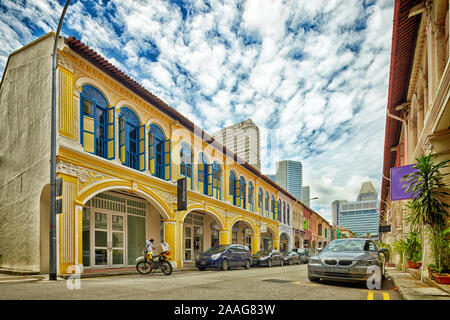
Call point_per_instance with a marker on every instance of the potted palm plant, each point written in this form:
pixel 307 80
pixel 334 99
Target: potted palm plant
pixel 428 206
pixel 413 249
pixel 440 244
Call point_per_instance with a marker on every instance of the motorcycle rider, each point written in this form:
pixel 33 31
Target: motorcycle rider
pixel 149 247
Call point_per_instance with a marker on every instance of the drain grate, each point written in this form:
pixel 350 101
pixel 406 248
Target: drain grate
pixel 277 280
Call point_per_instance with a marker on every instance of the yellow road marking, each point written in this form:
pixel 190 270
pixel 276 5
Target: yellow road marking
pixel 370 295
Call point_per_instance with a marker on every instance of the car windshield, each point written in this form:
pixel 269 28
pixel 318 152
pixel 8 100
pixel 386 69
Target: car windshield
pixel 356 245
pixel 262 253
pixel 216 249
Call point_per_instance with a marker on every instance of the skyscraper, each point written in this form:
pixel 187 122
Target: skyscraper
pixel 361 216
pixel 306 196
pixel 243 139
pixel 289 177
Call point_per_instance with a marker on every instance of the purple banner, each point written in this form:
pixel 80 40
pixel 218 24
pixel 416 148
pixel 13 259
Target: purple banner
pixel 398 187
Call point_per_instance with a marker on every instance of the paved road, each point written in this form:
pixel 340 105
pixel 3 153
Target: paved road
pixel 286 283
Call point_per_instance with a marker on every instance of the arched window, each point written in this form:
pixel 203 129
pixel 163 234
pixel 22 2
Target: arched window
pixel 97 123
pixel 216 172
pixel 186 163
pixel 242 193
pixel 287 214
pixel 204 175
pixel 267 204
pixel 235 189
pixel 251 195
pixel 131 140
pixel 272 200
pixel 280 208
pixel 260 201
pixel 159 153
pixel 284 212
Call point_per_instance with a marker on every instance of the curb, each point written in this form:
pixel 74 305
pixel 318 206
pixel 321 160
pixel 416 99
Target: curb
pixel 404 295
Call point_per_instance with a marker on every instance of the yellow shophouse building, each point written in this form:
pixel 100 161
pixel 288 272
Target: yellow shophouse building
pixel 120 151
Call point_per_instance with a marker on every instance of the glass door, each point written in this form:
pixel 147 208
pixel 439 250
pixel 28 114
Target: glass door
pixel 101 245
pixel 188 243
pixel 109 240
pixel 117 233
pixel 198 241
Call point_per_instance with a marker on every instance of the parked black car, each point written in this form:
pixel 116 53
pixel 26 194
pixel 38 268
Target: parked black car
pixel 268 258
pixel 224 257
pixel 304 255
pixel 291 257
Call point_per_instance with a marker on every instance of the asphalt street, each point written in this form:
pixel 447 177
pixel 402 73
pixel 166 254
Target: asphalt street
pixel 276 283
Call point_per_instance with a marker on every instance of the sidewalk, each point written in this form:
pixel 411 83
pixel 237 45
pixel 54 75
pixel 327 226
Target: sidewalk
pixel 7 275
pixel 412 288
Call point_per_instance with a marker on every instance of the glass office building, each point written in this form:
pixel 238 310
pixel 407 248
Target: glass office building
pixel 361 216
pixel 289 177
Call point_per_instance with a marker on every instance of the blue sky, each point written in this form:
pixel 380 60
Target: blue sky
pixel 313 75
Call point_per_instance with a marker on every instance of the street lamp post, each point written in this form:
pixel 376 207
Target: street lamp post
pixel 52 254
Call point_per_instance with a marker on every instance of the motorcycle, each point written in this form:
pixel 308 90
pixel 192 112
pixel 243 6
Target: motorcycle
pixel 148 263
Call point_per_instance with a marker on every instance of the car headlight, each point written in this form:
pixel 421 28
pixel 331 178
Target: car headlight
pixel 263 258
pixel 215 256
pixel 314 260
pixel 366 263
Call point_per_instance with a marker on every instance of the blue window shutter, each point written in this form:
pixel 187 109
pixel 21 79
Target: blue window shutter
pixel 111 131
pixel 141 147
pixel 167 161
pixel 209 178
pixel 151 153
pixel 122 139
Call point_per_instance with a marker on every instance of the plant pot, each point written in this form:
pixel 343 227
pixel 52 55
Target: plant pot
pixel 412 265
pixel 443 278
pixel 430 273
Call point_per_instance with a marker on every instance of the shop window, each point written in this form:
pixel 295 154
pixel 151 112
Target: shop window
pixel 97 123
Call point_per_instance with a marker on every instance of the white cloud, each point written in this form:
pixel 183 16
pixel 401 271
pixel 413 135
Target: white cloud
pixel 317 71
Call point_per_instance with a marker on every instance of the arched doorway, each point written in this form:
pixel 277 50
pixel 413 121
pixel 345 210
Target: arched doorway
pixel 267 239
pixel 115 225
pixel 201 230
pixel 284 242
pixel 241 233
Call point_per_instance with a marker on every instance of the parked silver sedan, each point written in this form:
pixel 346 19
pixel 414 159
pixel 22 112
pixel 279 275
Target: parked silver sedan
pixel 347 260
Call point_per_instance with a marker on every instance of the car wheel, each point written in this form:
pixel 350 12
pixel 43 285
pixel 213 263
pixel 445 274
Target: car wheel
pixel 202 268
pixel 247 264
pixel 225 265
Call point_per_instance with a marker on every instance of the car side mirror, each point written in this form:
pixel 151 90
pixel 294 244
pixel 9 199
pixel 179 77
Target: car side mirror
pixel 383 250
pixel 319 250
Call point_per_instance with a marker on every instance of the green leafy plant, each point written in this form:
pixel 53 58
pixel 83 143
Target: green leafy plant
pixel 413 248
pixel 400 248
pixel 440 246
pixel 427 207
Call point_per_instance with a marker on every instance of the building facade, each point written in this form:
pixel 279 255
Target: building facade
pixel 306 195
pixel 120 151
pixel 361 216
pixel 418 113
pixel 290 177
pixel 243 139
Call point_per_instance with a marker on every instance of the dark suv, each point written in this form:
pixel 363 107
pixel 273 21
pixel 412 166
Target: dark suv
pixel 224 257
